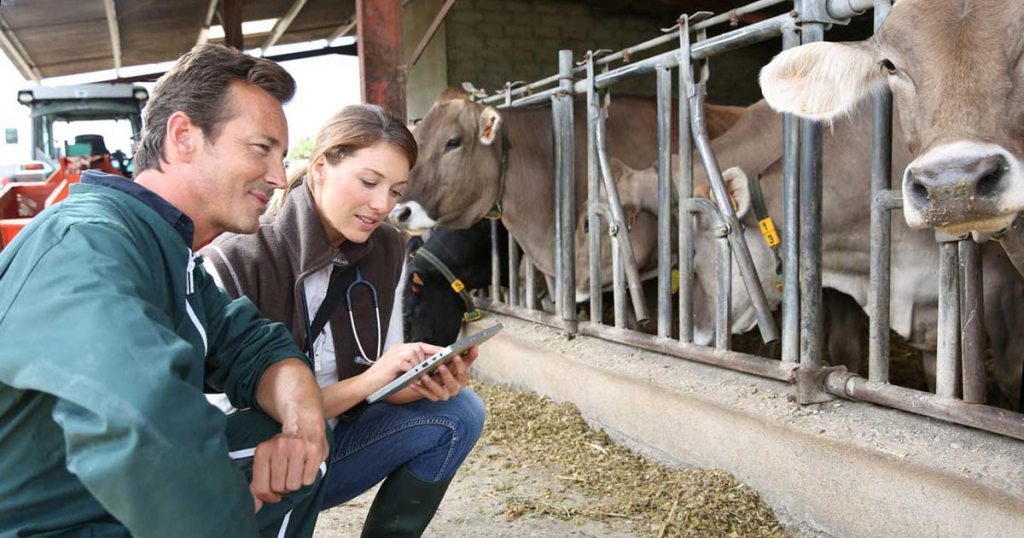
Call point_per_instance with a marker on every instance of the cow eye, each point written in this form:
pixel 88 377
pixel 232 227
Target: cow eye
pixel 453 143
pixel 888 66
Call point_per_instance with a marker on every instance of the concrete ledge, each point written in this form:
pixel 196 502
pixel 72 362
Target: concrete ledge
pixel 843 468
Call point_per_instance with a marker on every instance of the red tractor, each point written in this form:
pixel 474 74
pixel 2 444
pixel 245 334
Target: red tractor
pixel 59 117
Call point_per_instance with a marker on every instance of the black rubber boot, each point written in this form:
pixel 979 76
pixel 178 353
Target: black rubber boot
pixel 404 506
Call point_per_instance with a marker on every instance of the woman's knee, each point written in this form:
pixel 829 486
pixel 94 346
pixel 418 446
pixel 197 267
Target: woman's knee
pixel 469 409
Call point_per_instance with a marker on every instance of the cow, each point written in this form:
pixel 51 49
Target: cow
pixel 472 157
pixel 956 70
pixel 753 149
pixel 432 311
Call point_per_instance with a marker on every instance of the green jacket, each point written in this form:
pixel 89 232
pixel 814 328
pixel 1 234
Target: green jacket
pixel 109 330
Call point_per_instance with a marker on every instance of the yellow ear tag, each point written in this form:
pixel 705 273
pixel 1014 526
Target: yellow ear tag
pixel 416 279
pixel 767 226
pixel 458 286
pixel 675 281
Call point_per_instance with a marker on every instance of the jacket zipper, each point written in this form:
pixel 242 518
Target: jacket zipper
pixel 190 288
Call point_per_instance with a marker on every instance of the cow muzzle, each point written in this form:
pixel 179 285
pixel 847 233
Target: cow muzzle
pixel 411 217
pixel 963 187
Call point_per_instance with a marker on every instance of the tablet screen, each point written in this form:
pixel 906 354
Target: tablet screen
pixel 433 362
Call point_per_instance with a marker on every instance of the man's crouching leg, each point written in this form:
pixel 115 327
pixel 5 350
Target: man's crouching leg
pixel 295 515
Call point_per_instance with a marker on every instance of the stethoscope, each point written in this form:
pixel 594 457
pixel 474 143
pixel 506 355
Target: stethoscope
pixel 362 358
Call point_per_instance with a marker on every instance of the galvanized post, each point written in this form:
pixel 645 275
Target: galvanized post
pixel 618 284
pixel 879 289
pixel 723 293
pixel 593 197
pixel 791 226
pixel 810 228
pixel 664 96
pixel 949 320
pixel 495 263
pixel 685 190
pixel 972 321
pixel 566 196
pixel 531 286
pixel 513 246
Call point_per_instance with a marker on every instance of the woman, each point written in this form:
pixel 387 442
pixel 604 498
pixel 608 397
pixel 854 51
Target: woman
pixel 326 241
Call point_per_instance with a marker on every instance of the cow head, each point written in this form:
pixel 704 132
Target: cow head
pixel 956 72
pixel 456 179
pixel 431 311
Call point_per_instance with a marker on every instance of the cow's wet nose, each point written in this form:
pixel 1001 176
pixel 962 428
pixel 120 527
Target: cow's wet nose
pixel 401 215
pixel 967 180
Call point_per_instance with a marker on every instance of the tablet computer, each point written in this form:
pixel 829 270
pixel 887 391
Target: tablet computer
pixel 433 362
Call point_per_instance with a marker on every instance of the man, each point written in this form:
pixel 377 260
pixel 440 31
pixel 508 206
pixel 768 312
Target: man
pixel 110 331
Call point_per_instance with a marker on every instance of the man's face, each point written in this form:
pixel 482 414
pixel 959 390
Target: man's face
pixel 238 171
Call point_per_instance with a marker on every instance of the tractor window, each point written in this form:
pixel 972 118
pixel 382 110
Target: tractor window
pixel 116 135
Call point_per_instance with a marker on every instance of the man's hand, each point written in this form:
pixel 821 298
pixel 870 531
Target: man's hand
pixel 447 380
pixel 287 461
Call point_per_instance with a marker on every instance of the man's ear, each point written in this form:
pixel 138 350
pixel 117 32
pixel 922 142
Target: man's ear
pixel 490 122
pixel 181 138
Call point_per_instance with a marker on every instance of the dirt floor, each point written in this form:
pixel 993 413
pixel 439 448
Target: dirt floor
pixel 539 470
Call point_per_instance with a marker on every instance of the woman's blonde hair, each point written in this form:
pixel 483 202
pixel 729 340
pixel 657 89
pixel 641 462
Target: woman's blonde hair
pixel 354 128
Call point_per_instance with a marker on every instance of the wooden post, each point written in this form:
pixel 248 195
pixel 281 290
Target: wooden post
pixel 381 70
pixel 232 12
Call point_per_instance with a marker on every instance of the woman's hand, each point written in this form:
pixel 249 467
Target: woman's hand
pixel 397 360
pixel 448 379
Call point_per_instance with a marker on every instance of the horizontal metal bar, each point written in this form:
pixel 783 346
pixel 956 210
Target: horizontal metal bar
pixel 844 9
pixel 982 417
pixel 726 42
pixel 732 360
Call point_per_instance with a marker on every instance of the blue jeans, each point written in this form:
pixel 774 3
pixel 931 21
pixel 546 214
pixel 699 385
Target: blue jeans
pixel 431 438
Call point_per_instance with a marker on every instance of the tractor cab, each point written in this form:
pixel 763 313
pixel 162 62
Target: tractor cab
pixel 74 128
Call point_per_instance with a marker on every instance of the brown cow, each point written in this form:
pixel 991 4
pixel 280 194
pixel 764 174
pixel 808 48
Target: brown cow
pixel 458 176
pixel 956 71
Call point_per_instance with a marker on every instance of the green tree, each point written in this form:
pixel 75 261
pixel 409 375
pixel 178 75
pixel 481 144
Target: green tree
pixel 302 150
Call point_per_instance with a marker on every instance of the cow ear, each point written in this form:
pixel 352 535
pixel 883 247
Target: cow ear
pixel 490 121
pixel 618 168
pixel 736 184
pixel 821 80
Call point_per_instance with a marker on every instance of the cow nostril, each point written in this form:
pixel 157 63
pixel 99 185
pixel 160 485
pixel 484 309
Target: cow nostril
pixel 918 192
pixel 992 177
pixel 404 214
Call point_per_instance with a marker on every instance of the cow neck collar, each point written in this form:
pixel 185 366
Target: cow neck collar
pixel 765 224
pixel 472 312
pixel 496 212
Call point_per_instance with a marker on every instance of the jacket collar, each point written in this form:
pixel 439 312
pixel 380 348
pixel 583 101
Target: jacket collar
pixel 309 250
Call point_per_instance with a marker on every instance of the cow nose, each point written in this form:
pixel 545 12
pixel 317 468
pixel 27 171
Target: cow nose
pixel 401 215
pixel 968 179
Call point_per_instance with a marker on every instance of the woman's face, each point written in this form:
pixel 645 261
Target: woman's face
pixel 356 195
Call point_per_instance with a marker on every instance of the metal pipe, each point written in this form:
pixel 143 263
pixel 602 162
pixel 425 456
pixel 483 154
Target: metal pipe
pixel 593 198
pixel 683 218
pixel 495 263
pixel 791 226
pixel 562 107
pixel 622 239
pixel 949 320
pixel 972 322
pixel 732 360
pixel 723 294
pixel 282 24
pixel 434 25
pixel 664 97
pixel 531 284
pixel 719 44
pixel 513 272
pixel 1012 241
pixel 845 9
pixel 765 321
pixel 618 284
pixel 880 286
pixel 982 417
pixel 811 142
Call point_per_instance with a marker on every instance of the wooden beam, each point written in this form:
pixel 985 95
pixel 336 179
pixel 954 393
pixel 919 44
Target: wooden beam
pixel 17 53
pixel 283 23
pixel 343 30
pixel 232 11
pixel 204 32
pixel 115 32
pixel 430 32
pixel 382 75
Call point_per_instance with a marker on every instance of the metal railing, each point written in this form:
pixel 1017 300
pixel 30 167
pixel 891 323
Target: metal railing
pixel 959 364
